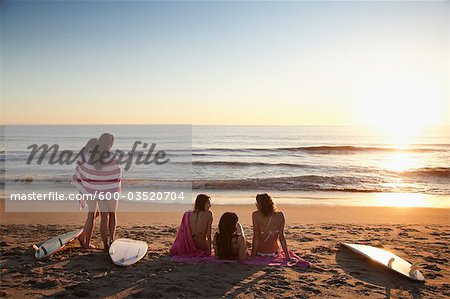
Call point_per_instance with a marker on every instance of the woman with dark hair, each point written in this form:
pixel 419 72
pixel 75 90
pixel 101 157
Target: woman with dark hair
pixel 200 222
pixel 194 235
pixel 268 228
pixel 229 241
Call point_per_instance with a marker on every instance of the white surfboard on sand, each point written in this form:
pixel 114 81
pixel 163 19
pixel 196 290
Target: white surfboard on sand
pixel 388 259
pixel 55 244
pixel 125 252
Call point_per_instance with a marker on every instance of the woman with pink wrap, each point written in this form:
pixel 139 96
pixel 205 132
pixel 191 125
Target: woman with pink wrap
pixel 194 235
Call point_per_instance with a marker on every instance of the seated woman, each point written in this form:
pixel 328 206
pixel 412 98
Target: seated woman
pixel 229 241
pixel 194 235
pixel 268 228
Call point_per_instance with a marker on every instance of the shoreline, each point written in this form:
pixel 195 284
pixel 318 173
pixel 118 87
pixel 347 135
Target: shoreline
pixel 295 215
pixel 303 198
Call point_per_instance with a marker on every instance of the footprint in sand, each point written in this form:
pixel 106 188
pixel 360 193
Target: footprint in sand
pixel 410 230
pixel 47 284
pixel 437 260
pixel 322 250
pixel 336 280
pixel 310 289
pixel 432 267
pixel 305 239
pixel 81 294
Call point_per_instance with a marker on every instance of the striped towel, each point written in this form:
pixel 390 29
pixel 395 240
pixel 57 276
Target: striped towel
pixel 89 180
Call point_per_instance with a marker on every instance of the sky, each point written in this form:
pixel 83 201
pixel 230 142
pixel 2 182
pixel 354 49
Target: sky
pixel 272 63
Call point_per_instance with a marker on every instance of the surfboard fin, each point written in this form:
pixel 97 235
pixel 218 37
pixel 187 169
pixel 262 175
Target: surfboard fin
pixel 35 247
pixel 137 254
pixel 414 267
pixel 390 262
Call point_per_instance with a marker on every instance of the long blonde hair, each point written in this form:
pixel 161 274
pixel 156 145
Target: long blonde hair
pixel 104 144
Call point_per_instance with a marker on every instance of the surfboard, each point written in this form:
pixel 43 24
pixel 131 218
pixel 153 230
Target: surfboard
pixel 125 252
pixel 388 259
pixel 55 244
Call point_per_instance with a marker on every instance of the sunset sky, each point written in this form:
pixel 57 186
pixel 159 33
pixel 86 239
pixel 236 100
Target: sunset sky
pixel 305 63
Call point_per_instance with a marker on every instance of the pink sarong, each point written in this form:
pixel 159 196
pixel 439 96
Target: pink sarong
pixel 184 243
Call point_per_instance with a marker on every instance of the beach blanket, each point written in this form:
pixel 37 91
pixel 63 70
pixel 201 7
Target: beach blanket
pixel 184 246
pixel 278 261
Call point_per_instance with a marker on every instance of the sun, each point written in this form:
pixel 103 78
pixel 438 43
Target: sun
pixel 401 106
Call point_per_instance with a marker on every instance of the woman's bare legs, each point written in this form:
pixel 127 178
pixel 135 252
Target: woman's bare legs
pixel 104 229
pixel 112 219
pixel 89 225
pixel 108 221
pixel 112 226
pixel 86 235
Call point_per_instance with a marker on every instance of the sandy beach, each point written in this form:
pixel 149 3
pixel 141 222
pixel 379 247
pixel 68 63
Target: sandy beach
pixel 314 232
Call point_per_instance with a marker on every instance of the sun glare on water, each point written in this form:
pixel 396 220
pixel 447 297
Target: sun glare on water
pixel 401 107
pixel 400 161
pixel 405 200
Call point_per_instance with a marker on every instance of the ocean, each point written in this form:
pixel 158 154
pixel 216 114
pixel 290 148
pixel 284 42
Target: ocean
pixel 250 159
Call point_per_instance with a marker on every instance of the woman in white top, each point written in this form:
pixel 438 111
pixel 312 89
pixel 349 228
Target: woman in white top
pixel 268 228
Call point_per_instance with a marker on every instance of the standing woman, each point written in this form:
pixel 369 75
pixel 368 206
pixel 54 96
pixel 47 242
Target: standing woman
pixel 79 178
pixel 268 228
pixel 106 181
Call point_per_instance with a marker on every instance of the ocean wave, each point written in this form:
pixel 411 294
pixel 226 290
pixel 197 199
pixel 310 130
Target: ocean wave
pixel 321 183
pixel 323 149
pixel 248 164
pixel 260 184
pixel 428 172
pixel 433 180
pixel 432 144
pixel 36 179
pixel 298 183
pixel 355 149
pixel 312 150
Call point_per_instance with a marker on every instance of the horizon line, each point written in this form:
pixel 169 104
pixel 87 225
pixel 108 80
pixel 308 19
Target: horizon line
pixel 198 125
